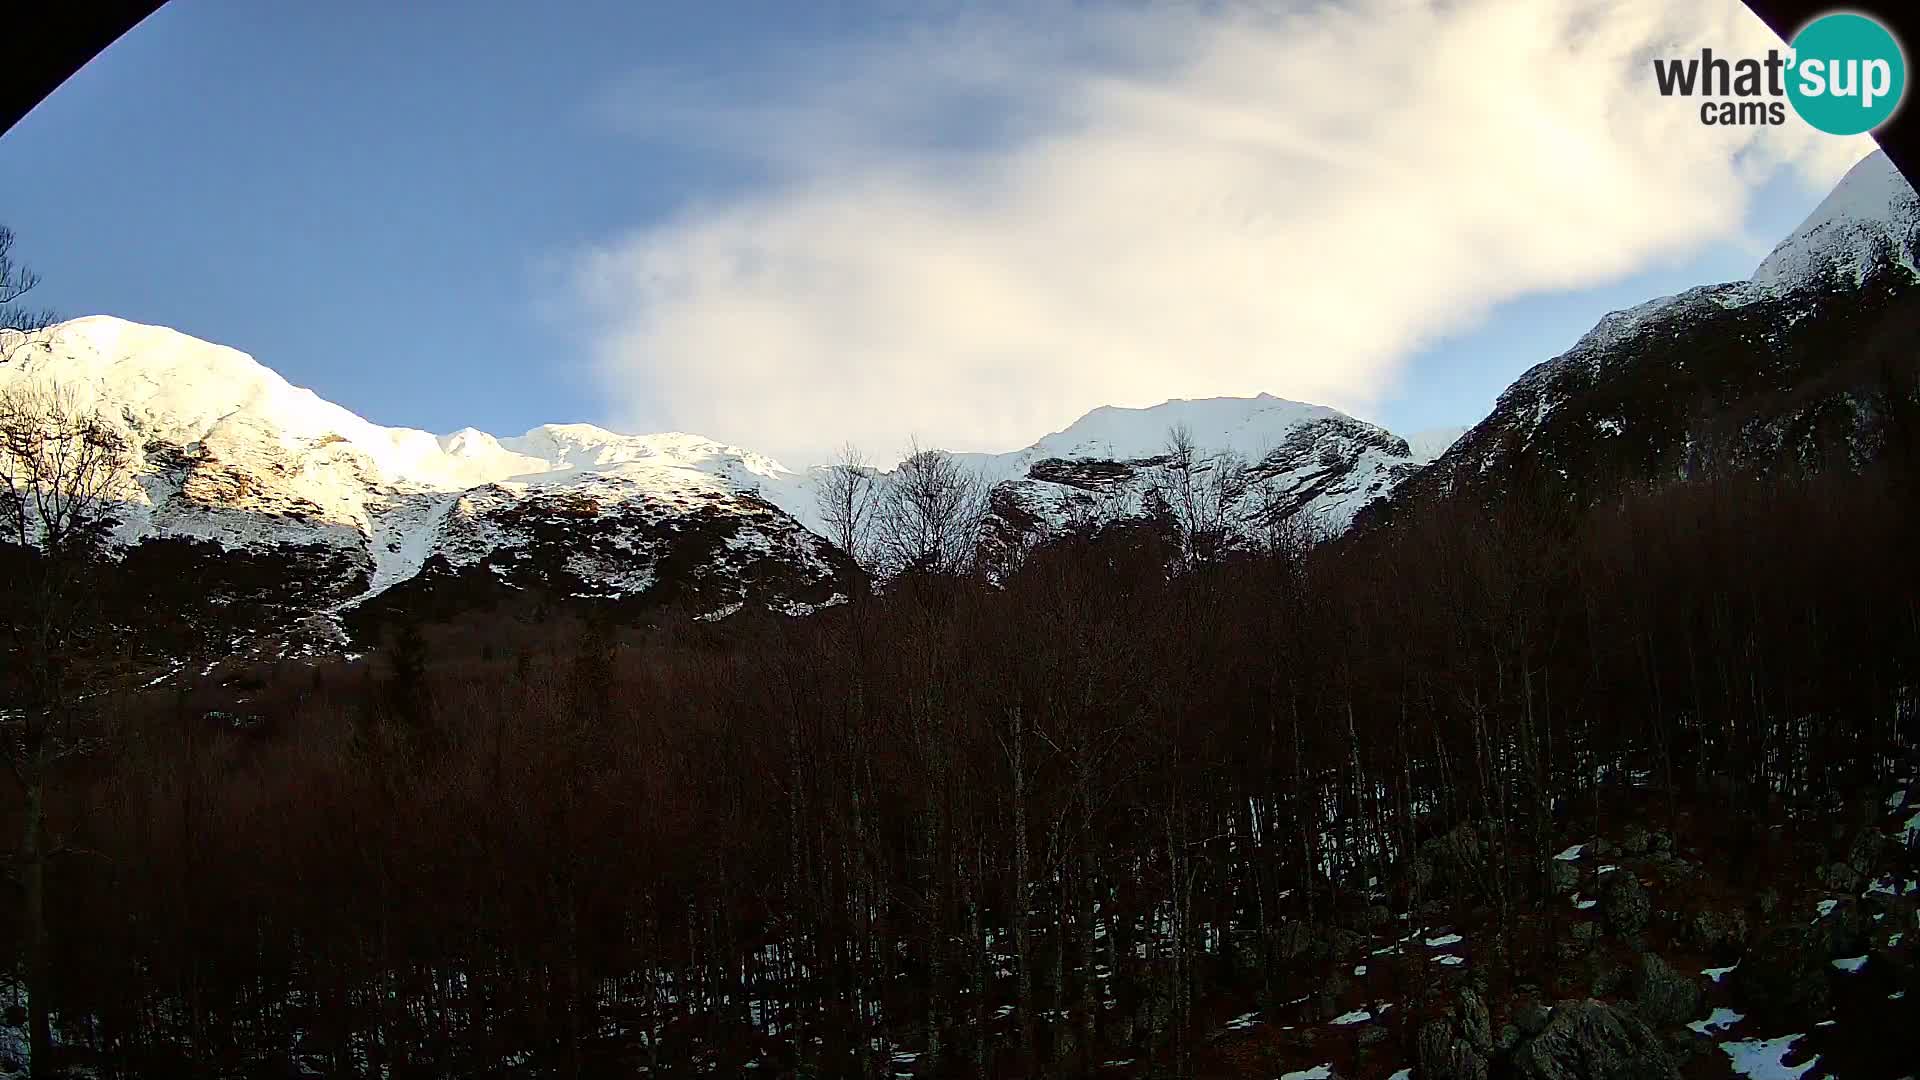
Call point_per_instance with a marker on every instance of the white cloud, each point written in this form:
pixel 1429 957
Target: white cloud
pixel 975 230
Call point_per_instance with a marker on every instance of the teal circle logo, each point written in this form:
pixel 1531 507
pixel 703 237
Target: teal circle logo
pixel 1848 74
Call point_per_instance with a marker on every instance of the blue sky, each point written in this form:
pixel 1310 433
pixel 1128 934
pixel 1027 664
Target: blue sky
pixel 788 224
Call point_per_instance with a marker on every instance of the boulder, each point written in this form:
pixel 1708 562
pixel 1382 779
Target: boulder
pixel 1663 995
pixel 1784 976
pixel 1294 939
pixel 1531 1018
pixel 1864 854
pixel 1346 943
pixel 1562 877
pixel 1587 1040
pixel 1839 877
pixel 1716 931
pixel 1446 1056
pixel 1474 1021
pixel 1844 930
pixel 1624 903
pixel 1671 866
pixel 1457 857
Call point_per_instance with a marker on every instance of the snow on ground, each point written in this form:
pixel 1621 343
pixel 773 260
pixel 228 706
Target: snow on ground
pixel 1721 1018
pixel 1850 964
pixel 1871 203
pixel 1357 1016
pixel 1764 1059
pixel 1445 939
pixel 1318 1072
pixel 1716 974
pixel 1571 853
pixel 1244 1022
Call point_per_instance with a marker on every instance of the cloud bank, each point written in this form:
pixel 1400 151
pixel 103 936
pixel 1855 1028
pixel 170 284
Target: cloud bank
pixel 973 228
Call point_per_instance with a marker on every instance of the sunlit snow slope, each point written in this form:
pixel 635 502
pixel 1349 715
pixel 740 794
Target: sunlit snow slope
pixel 227 451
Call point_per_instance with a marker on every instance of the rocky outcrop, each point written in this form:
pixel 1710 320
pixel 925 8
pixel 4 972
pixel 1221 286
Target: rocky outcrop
pixel 1624 903
pixel 1589 1040
pixel 1445 1055
pixel 1663 995
pixel 1780 372
pixel 1716 931
pixel 1784 976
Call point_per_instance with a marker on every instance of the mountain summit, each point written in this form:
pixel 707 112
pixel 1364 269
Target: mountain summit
pixel 235 463
pixel 1783 369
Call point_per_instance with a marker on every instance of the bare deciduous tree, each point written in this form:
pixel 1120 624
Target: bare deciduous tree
pixel 847 493
pixel 930 512
pixel 16 281
pixel 61 464
pixel 1204 496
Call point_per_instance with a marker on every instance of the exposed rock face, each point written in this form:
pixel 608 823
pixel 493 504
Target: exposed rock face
pixel 1786 370
pixel 1587 1040
pixel 1258 466
pixel 231 459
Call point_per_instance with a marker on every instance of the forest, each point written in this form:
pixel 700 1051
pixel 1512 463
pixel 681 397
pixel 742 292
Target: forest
pixel 1068 816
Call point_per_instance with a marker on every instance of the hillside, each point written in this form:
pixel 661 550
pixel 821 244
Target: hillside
pixel 1807 364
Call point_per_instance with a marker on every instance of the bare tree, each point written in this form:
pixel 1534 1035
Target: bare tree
pixel 1204 496
pixel 930 513
pixel 16 281
pixel 847 494
pixel 61 464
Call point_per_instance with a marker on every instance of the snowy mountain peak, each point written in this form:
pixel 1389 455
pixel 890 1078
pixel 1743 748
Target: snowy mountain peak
pixel 229 452
pixel 225 451
pixel 1871 214
pixel 1247 426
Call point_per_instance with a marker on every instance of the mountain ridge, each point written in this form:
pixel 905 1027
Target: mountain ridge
pixel 228 452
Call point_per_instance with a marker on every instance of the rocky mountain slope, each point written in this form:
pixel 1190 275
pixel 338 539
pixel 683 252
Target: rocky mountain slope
pixel 261 492
pixel 1258 463
pixel 1808 363
pixel 256 490
pixel 232 466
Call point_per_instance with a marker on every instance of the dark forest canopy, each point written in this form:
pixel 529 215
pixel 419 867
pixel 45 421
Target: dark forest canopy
pixel 1082 817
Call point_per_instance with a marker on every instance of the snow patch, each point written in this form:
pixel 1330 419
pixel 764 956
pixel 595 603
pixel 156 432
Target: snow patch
pixel 1765 1059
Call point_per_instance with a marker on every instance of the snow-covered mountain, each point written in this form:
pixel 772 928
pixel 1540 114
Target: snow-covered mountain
pixel 1787 367
pixel 232 460
pixel 228 453
pixel 1264 460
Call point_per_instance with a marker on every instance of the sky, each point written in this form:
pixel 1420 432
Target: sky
pixel 793 226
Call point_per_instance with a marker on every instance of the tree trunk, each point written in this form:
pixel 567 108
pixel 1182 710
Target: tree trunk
pixel 33 884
